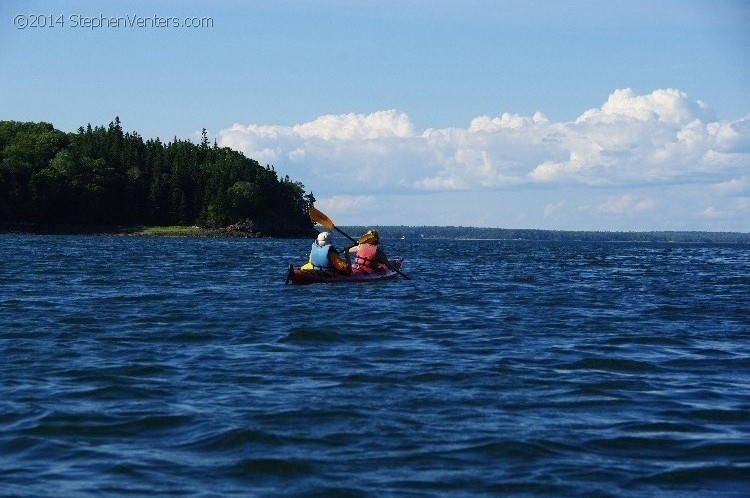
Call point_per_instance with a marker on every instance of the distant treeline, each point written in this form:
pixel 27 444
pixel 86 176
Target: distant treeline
pixel 103 177
pixel 452 232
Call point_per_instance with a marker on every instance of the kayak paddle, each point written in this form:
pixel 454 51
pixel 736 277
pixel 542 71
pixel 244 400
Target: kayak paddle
pixel 322 219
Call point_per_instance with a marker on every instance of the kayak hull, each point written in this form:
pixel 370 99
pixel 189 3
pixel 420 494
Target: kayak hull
pixel 298 276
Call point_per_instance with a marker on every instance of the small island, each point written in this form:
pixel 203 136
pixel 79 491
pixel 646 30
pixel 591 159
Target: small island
pixel 103 180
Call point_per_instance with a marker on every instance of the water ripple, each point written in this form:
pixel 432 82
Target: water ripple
pixel 149 366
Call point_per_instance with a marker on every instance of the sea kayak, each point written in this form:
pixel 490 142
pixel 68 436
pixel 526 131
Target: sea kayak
pixel 298 276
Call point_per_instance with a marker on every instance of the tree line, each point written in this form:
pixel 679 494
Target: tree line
pixel 468 233
pixel 104 177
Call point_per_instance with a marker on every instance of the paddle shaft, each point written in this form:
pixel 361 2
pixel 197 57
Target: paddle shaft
pixel 344 234
pixel 407 277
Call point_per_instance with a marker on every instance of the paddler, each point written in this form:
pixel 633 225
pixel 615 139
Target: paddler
pixel 369 254
pixel 323 256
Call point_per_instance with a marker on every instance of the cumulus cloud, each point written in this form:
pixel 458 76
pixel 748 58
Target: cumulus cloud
pixel 666 106
pixel 734 186
pixel 347 203
pixel 626 204
pixel 382 124
pixel 713 212
pixel 630 140
pixel 325 135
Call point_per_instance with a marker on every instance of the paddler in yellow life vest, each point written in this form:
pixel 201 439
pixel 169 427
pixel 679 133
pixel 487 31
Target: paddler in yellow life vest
pixel 323 256
pixel 369 254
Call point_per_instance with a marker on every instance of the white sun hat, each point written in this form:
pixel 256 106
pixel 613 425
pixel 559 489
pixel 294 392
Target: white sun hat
pixel 323 238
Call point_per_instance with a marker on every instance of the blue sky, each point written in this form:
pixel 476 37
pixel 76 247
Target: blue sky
pixel 621 115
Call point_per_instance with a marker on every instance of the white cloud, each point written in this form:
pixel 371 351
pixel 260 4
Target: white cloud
pixel 382 124
pixel 667 106
pixel 346 203
pixel 506 121
pixel 626 204
pixel 735 186
pixel 712 212
pixel 631 142
pixel 643 205
pixel 616 205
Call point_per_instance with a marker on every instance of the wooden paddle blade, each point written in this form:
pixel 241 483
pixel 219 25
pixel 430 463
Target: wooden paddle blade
pixel 320 218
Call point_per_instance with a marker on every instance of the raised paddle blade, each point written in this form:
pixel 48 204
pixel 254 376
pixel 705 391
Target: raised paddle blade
pixel 320 218
pixel 324 220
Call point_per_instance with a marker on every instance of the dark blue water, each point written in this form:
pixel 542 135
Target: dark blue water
pixel 184 367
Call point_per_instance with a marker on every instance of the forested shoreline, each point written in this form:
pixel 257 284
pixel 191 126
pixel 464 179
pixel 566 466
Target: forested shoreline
pixel 477 233
pixel 99 178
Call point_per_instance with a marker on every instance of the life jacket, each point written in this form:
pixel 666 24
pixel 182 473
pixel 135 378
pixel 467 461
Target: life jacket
pixel 367 257
pixel 319 257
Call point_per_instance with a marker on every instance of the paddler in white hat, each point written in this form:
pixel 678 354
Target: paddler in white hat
pixel 323 256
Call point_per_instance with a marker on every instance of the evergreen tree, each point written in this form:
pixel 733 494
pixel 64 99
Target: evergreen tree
pixel 103 176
